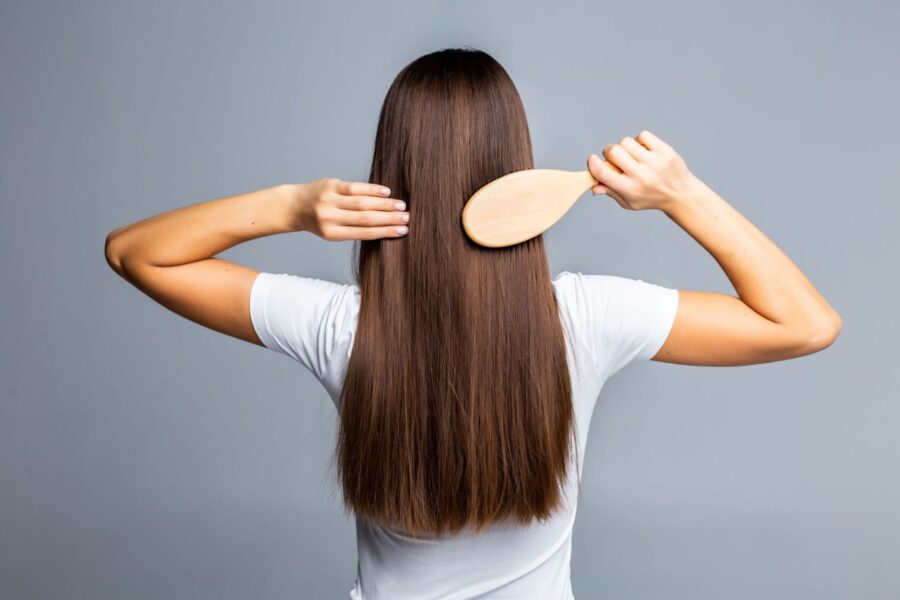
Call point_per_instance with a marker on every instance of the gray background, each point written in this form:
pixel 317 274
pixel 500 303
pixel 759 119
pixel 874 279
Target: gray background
pixel 143 456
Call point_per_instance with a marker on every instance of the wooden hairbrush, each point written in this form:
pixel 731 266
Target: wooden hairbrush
pixel 522 205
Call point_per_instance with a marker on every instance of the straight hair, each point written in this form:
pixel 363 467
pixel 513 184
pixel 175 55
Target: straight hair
pixel 456 410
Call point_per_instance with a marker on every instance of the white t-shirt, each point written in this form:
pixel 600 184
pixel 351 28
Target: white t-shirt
pixel 609 321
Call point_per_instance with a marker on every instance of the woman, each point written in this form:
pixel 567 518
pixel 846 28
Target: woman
pixel 465 377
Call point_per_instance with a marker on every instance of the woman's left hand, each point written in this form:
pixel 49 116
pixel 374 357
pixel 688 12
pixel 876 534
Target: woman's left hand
pixel 337 210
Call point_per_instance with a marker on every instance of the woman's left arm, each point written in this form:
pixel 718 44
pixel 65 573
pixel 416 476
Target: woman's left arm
pixel 171 256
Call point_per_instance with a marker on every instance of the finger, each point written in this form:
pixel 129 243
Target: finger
pixel 612 166
pixel 639 152
pixel 359 188
pixel 369 203
pixel 605 172
pixel 622 159
pixel 651 141
pixel 599 189
pixel 370 218
pixel 346 232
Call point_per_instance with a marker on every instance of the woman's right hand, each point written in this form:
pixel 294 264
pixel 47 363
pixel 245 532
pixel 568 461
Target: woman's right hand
pixel 337 210
pixel 642 172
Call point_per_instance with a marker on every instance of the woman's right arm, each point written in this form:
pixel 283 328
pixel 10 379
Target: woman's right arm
pixel 777 314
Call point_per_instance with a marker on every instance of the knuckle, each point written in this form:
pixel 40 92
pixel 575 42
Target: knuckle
pixel 671 160
pixel 323 214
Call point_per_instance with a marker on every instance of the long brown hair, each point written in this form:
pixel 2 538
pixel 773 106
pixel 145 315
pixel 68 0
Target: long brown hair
pixel 456 409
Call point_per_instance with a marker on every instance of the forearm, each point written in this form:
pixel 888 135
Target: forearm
pixel 203 230
pixel 763 276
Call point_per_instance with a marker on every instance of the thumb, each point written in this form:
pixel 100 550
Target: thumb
pixel 593 164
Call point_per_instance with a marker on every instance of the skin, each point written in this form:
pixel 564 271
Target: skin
pixel 776 315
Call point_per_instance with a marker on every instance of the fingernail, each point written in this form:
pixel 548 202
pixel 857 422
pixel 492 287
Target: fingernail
pixel 402 229
pixel 386 191
pixel 405 218
pixel 400 205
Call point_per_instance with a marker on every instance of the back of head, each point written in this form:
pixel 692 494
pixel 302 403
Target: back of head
pixel 456 408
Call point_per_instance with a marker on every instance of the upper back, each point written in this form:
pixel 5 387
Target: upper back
pixel 608 322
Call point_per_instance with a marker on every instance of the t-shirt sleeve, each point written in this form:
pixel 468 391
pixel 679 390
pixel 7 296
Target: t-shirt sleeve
pixel 621 319
pixel 300 317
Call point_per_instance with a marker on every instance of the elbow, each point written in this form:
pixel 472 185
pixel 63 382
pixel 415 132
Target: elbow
pixel 825 334
pixel 113 254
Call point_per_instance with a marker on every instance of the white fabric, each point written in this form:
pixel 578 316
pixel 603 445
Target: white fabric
pixel 610 321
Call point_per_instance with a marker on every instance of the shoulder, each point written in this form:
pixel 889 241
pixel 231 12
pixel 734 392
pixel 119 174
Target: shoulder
pixel 568 280
pixel 620 319
pixel 306 318
pixel 289 283
pixel 579 292
pixel 299 293
pixel 583 291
